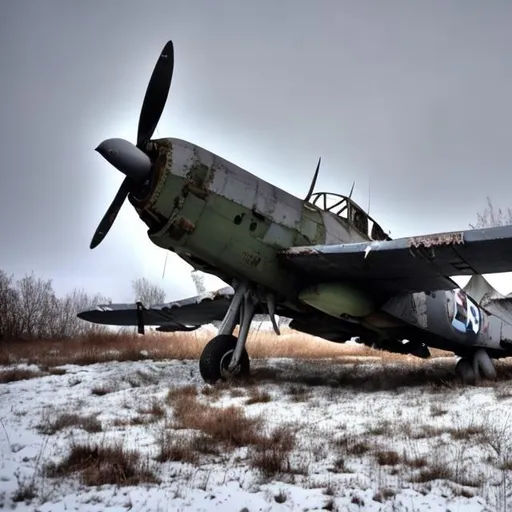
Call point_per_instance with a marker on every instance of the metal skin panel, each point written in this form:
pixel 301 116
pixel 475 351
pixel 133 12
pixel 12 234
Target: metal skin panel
pixel 336 229
pixel 232 182
pixel 451 314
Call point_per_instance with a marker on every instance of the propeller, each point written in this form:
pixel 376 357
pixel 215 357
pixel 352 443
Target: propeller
pixel 127 158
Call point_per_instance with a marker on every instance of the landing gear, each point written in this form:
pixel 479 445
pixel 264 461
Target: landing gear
pixel 472 369
pixel 215 359
pixel 225 356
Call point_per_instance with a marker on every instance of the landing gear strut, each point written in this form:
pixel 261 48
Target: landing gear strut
pixel 472 369
pixel 225 357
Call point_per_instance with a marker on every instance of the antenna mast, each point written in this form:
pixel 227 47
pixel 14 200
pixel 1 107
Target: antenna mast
pixel 313 183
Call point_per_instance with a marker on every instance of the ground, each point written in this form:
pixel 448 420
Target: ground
pixel 347 432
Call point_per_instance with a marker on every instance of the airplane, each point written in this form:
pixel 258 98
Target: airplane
pixel 321 261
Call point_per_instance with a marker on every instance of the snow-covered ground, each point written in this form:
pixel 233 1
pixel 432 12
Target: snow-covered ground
pixel 356 435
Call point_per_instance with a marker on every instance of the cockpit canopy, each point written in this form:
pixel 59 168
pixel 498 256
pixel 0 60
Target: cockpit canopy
pixel 346 209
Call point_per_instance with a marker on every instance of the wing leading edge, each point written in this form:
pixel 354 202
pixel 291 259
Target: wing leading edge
pixel 172 316
pixel 421 263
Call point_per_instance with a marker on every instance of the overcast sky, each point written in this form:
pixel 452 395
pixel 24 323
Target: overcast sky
pixel 413 97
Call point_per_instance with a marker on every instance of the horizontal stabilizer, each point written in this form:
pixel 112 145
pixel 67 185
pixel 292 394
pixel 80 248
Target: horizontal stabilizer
pixel 181 315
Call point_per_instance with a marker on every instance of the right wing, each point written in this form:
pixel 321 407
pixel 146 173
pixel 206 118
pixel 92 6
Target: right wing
pixel 420 263
pixel 172 316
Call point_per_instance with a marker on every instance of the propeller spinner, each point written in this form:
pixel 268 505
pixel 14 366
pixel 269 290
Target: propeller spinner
pixel 123 155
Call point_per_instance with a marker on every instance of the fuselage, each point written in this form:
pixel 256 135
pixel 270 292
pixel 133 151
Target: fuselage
pixel 228 222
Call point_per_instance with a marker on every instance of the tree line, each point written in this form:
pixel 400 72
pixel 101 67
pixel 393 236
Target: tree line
pixel 30 309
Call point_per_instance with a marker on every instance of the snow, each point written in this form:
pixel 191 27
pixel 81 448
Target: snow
pixel 318 398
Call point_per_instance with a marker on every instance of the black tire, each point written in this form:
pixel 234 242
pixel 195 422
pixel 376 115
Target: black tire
pixel 465 372
pixel 217 355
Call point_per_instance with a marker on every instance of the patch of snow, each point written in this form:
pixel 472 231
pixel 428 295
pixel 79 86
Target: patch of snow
pixel 325 411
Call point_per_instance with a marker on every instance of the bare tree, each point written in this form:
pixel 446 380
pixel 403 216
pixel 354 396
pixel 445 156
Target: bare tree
pixel 147 293
pixel 492 217
pixel 9 308
pixel 198 278
pixel 29 309
pixel 66 322
pixel 37 306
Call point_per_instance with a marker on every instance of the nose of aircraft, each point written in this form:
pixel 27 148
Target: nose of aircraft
pixel 126 158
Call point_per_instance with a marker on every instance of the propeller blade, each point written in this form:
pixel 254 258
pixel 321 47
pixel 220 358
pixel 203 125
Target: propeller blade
pixel 126 158
pixel 111 214
pixel 156 94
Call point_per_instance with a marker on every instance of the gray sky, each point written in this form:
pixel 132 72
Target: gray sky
pixel 411 96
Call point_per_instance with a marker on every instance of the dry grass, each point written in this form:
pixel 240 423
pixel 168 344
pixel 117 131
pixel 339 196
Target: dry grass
pixel 97 348
pixel 257 396
pixel 271 455
pixel 229 425
pixel 223 430
pixel 17 374
pixel 102 464
pixel 50 424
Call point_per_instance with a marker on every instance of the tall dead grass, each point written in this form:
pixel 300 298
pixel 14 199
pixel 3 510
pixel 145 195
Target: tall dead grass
pixel 104 347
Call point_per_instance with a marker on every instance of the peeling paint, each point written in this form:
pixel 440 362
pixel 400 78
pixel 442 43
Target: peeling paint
pixel 297 251
pixel 181 227
pixel 420 309
pixel 437 240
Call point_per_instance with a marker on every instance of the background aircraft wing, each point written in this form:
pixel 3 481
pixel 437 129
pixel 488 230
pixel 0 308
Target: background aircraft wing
pixel 172 316
pixel 420 263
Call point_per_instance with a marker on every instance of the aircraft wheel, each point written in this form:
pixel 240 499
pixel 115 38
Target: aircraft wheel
pixel 215 359
pixel 464 370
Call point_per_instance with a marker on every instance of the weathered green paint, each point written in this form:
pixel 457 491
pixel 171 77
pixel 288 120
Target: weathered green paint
pixel 337 299
pixel 215 231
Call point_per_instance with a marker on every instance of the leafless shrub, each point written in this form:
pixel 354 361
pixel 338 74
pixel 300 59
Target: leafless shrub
pixel 387 458
pixel 50 425
pixel 271 454
pixel 492 217
pixel 140 378
pixel 26 492
pixel 340 466
pixel 435 471
pixel 29 309
pixel 384 494
pixel 437 410
pixel 147 293
pixel 57 371
pixel 101 464
pixel 180 392
pixel 382 428
pixel 415 461
pixel 105 388
pixel 350 444
pixel 156 409
pixel 298 393
pixel 466 432
pixel 177 448
pixel 17 374
pixel 228 425
pixel 258 395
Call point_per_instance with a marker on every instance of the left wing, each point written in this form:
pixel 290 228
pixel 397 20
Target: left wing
pixel 172 316
pixel 421 263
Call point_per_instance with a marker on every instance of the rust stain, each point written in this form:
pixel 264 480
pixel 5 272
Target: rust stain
pixel 181 227
pixel 160 152
pixel 298 251
pixel 436 240
pixel 199 177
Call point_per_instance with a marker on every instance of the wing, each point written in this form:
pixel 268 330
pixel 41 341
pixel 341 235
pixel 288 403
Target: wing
pixel 422 263
pixel 172 316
